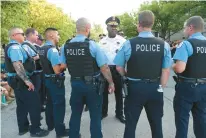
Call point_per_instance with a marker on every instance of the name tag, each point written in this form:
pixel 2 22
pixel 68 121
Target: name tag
pixel 75 52
pixel 148 48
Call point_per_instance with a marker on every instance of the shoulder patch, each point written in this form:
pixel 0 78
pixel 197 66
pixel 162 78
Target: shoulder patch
pixel 54 50
pixel 180 45
pixel 15 47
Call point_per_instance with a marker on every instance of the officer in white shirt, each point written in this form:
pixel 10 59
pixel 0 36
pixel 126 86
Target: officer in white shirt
pixel 110 45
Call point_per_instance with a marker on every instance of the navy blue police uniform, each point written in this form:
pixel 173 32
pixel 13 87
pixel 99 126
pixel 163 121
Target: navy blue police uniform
pixel 55 106
pixel 36 76
pixel 191 86
pixel 83 58
pixel 141 53
pixel 27 101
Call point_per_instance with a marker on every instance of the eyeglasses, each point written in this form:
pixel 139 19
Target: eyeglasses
pixel 20 34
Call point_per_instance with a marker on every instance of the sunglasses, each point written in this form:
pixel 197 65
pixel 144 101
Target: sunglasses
pixel 20 34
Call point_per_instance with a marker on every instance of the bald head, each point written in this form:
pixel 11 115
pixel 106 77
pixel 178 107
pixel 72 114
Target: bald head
pixel 82 24
pixel 17 34
pixel 14 30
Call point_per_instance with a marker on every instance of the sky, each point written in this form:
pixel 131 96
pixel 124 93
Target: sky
pixel 97 11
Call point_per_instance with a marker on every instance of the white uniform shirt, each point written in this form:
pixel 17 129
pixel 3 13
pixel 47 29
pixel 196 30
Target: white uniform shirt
pixel 110 46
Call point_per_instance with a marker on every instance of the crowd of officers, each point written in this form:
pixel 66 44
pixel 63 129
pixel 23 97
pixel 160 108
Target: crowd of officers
pixel 97 70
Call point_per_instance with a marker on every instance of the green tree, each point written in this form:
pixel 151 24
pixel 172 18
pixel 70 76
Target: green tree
pixel 170 15
pixel 128 23
pixel 38 14
pixel 43 15
pixel 95 31
pixel 13 14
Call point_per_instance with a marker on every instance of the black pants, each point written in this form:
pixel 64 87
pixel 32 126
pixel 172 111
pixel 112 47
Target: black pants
pixel 190 97
pixel 43 91
pixel 37 81
pixel 27 102
pixel 55 107
pixel 118 94
pixel 143 95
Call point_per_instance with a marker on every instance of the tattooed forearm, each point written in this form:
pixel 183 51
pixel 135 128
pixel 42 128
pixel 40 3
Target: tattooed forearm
pixel 19 68
pixel 106 73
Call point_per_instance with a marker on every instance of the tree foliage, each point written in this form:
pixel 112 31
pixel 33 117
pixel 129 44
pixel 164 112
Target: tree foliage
pixel 128 23
pixel 169 15
pixel 38 14
pixel 95 31
pixel 13 14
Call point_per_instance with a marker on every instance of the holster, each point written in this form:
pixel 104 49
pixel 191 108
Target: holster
pixel 125 85
pixel 89 79
pixel 175 78
pixel 59 80
pixel 101 84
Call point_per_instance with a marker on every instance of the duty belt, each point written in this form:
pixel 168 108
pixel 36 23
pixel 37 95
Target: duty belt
pixel 146 80
pixel 112 67
pixel 84 78
pixel 192 80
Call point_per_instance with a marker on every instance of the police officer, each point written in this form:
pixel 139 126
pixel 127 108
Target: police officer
pixel 20 66
pixel 110 45
pixel 141 53
pixel 54 82
pixel 42 90
pixel 40 40
pixel 101 36
pixel 190 59
pixel 84 61
pixel 30 46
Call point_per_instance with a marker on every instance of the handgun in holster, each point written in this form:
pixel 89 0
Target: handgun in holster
pixel 59 80
pixel 125 85
pixel 101 84
pixel 89 79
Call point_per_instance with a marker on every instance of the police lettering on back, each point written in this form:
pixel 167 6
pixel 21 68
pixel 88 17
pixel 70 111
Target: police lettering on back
pixel 75 52
pixel 201 50
pixel 148 48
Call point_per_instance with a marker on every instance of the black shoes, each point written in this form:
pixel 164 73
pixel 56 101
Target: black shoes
pixel 41 133
pixel 121 118
pixel 23 132
pixel 65 134
pixel 41 117
pixel 50 129
pixel 43 108
pixel 86 109
pixel 104 116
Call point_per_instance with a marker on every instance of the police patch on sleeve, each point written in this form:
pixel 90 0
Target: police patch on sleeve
pixel 180 45
pixel 15 47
